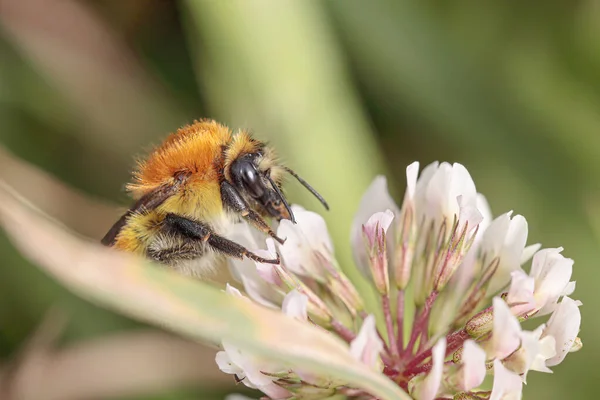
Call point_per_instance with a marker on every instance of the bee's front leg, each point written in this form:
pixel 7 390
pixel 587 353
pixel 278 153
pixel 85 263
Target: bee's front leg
pixel 199 231
pixel 232 198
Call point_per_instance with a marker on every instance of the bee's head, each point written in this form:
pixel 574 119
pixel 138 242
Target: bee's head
pixel 253 168
pixel 259 182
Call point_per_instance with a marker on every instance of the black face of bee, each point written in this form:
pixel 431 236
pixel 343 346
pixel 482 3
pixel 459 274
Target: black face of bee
pixel 247 178
pixel 259 186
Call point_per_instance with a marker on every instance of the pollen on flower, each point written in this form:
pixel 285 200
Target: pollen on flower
pixel 470 287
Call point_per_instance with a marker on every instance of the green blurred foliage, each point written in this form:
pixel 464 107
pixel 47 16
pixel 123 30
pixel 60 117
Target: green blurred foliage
pixel 345 90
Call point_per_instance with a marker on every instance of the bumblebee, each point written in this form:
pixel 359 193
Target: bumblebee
pixel 192 188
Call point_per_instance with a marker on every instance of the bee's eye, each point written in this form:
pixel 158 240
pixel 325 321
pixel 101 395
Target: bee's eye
pixel 245 173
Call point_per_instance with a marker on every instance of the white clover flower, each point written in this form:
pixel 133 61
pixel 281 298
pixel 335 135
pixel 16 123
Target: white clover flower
pixel 548 280
pixel 470 291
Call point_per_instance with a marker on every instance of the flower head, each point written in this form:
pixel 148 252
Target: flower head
pixel 470 291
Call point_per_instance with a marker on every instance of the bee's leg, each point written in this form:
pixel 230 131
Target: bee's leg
pixel 200 231
pixel 231 197
pixel 172 248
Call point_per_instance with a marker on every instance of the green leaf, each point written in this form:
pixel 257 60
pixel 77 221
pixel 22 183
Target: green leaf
pixel 158 295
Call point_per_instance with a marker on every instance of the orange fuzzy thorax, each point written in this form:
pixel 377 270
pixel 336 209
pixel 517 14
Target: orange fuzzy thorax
pixel 194 149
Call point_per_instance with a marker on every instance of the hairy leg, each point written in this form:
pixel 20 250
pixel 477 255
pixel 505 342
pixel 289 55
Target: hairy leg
pixel 201 232
pixel 232 198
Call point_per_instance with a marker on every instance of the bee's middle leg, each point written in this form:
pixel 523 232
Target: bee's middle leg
pixel 201 232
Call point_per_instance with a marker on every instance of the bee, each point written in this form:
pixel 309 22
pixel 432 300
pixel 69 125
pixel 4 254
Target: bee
pixel 191 189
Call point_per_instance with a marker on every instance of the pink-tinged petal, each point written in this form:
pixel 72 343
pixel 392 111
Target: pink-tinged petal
pixel 374 232
pixel 380 221
pixel 507 384
pixel 367 345
pixel 520 294
pixel 506 332
pixel 473 372
pixel 295 305
pixel 430 386
pixel 563 325
pixel 268 273
pixel 375 199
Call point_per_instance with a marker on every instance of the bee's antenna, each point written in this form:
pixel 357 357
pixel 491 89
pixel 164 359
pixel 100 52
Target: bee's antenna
pixel 282 198
pixel 307 186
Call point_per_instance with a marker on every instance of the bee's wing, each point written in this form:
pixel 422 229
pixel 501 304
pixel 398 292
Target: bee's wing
pixel 147 202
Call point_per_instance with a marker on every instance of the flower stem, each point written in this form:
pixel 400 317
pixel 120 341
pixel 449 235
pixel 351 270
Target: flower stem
pixel 409 372
pixel 421 320
pixel 400 320
pixel 389 323
pixel 455 340
pixel 343 331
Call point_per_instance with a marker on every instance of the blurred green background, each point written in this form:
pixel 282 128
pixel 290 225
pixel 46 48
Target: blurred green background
pixel 343 89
